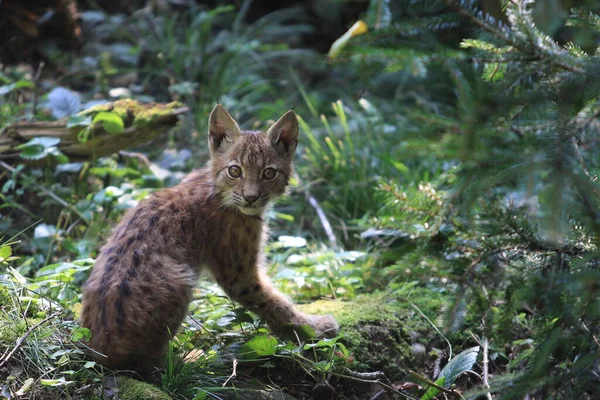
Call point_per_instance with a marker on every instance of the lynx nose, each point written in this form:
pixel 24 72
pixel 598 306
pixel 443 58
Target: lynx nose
pixel 250 198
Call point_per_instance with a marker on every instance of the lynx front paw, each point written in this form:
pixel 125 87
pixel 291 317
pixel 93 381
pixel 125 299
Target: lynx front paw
pixel 308 326
pixel 324 325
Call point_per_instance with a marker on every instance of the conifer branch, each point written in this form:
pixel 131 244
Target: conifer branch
pixel 490 25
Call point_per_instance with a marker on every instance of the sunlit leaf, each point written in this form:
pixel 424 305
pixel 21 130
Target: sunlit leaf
pixel 5 253
pixel 461 363
pixel 78 120
pixel 55 382
pixel 111 122
pixel 80 333
pixel 26 386
pixel 433 391
pixel 259 346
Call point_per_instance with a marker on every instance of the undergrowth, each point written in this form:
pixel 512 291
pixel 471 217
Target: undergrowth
pixel 446 192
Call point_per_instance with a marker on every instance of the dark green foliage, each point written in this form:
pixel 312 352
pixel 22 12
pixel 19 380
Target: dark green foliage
pixel 453 152
pixel 509 222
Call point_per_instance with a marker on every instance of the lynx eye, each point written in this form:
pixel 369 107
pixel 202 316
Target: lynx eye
pixel 269 174
pixel 234 171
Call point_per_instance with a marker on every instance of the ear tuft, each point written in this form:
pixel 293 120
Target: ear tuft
pixel 223 131
pixel 284 134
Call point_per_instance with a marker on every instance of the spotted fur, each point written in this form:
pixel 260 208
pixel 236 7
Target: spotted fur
pixel 138 293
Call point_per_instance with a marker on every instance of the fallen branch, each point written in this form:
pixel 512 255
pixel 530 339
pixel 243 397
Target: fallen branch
pixel 233 373
pixel 378 395
pixel 324 221
pixel 142 124
pixel 429 382
pixel 371 377
pixel 22 339
pixel 486 383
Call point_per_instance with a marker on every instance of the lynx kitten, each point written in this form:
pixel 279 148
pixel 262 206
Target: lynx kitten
pixel 139 290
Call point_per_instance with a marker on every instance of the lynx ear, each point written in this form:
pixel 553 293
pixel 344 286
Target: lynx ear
pixel 222 130
pixel 284 134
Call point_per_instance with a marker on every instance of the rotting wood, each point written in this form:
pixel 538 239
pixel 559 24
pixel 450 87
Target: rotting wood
pixel 143 123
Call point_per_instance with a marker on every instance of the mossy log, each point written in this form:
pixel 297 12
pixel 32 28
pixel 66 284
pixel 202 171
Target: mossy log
pixel 383 334
pixel 131 389
pixel 142 124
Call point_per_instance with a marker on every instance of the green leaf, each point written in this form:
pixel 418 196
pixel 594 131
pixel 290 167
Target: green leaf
pixel 201 395
pixel 78 120
pixel 242 315
pixel 55 382
pixel 6 89
pixel 38 148
pixel 5 253
pixel 111 122
pixel 116 172
pixel 26 386
pixel 45 142
pixel 64 359
pixel 323 343
pixel 80 333
pixel 461 363
pixel 85 134
pixel 89 364
pixel 433 391
pixel 259 346
pixel 57 268
pixel 302 331
pixel 33 153
pixel 24 83
pixel 58 155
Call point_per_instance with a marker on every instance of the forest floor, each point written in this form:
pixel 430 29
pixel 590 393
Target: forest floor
pixel 443 206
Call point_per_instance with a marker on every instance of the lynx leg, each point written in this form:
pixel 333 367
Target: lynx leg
pixel 255 291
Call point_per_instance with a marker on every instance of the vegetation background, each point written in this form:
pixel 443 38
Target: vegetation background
pixel 446 205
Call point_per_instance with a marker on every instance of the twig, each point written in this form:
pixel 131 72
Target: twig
pixel 435 385
pixel 201 326
pixel 138 156
pixel 595 115
pixel 378 395
pixel 233 373
pixel 359 377
pixel 437 365
pixel 371 376
pixel 24 337
pixel 590 332
pixel 484 344
pixel 434 327
pixel 36 78
pixel 324 221
pixel 50 194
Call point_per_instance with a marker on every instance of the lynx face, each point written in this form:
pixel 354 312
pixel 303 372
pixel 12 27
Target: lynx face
pixel 251 168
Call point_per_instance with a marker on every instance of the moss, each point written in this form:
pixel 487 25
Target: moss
pixel 11 331
pixel 29 304
pixel 5 300
pixel 377 329
pixel 150 115
pixel 131 389
pixel 134 113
